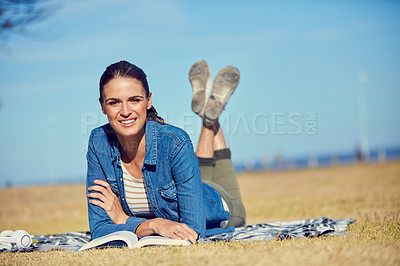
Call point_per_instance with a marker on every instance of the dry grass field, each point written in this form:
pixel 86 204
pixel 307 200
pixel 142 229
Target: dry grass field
pixel 368 193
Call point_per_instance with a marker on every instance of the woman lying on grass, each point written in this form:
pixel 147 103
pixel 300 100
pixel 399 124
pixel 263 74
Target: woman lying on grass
pixel 144 176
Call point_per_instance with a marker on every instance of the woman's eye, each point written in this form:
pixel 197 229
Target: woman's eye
pixel 112 102
pixel 135 100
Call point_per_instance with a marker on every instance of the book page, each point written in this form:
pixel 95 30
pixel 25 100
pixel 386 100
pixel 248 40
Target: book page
pixel 160 241
pixel 129 238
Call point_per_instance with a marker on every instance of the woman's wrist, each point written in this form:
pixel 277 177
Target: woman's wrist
pixel 152 224
pixel 147 228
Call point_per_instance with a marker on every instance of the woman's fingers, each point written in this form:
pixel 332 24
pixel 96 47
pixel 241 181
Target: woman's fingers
pixel 97 203
pixel 103 187
pixel 103 183
pixel 190 233
pixel 182 231
pixel 98 196
pixel 100 189
pixel 187 233
pixel 179 235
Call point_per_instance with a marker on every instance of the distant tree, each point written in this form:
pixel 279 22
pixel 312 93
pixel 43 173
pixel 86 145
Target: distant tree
pixel 17 15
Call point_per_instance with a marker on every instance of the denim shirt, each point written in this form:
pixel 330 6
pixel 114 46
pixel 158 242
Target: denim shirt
pixel 171 175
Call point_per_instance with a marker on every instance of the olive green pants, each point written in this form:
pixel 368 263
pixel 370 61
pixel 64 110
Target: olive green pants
pixel 219 173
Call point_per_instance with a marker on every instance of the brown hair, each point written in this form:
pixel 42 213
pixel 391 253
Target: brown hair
pixel 124 69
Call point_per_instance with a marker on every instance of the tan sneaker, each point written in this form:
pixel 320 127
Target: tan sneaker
pixel 224 85
pixel 200 78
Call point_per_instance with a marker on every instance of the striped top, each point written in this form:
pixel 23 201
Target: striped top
pixel 136 195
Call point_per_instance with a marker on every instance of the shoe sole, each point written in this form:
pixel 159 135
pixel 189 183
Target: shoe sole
pixel 199 76
pixel 224 86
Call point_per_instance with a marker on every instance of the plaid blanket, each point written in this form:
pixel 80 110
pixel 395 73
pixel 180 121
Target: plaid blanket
pixel 286 230
pixel 255 232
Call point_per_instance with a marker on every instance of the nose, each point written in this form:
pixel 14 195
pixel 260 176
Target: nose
pixel 125 112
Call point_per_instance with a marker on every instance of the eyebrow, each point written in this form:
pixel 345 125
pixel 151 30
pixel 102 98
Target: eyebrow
pixel 112 99
pixel 116 99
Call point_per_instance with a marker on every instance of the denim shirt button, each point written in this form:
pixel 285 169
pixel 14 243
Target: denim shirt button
pixel 154 207
pixel 148 186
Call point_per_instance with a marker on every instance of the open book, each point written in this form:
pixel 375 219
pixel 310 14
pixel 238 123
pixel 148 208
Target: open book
pixel 131 240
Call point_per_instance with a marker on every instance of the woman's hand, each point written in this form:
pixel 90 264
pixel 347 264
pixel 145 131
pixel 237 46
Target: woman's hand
pixel 167 228
pixel 108 201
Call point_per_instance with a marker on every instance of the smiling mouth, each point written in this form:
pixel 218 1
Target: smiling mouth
pixel 128 122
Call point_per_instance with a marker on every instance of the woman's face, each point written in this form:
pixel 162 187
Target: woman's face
pixel 125 104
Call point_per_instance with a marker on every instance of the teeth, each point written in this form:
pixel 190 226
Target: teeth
pixel 128 121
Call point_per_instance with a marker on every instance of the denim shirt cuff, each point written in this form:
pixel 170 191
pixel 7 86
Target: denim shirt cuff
pixel 132 223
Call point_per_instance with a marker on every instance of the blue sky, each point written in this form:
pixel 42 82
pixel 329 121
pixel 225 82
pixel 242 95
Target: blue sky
pixel 304 66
